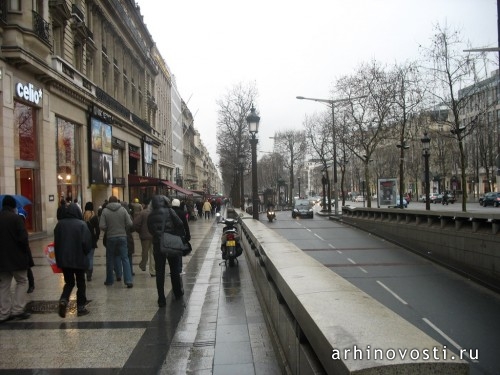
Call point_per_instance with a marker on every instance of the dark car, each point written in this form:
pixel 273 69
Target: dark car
pixel 491 199
pixel 440 198
pixel 302 208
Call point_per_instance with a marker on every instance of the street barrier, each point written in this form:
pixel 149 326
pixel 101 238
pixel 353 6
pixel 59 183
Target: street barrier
pixel 468 243
pixel 325 325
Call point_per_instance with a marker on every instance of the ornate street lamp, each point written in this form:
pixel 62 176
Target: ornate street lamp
pixel 426 145
pixel 241 162
pixel 253 128
pixel 298 179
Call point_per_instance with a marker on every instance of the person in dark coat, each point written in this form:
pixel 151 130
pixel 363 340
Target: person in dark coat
pixel 179 209
pixel 31 278
pixel 72 244
pixel 92 220
pixel 14 262
pixel 163 219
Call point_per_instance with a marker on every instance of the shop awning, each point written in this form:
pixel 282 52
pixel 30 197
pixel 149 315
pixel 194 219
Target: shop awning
pixel 171 185
pixel 134 180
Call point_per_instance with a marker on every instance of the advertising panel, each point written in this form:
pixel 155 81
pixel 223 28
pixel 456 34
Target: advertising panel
pixel 387 191
pixel 101 158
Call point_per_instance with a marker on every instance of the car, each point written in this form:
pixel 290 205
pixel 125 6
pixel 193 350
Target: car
pixel 491 199
pixel 302 208
pixel 405 203
pixel 359 198
pixel 433 196
pixel 440 199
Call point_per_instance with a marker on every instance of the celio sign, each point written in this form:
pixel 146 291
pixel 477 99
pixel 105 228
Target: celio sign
pixel 29 92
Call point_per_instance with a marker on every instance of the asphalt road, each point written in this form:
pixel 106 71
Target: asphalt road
pixel 453 310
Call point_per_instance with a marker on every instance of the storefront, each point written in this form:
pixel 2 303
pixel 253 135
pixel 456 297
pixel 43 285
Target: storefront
pixel 142 187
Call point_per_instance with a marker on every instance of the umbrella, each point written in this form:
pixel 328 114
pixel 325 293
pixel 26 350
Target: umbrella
pixel 21 200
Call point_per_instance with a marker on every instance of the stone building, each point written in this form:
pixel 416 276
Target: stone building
pixel 85 106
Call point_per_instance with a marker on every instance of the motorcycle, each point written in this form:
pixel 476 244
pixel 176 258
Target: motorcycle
pixel 230 242
pixel 271 215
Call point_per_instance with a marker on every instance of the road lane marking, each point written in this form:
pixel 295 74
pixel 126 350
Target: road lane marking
pixel 309 230
pixel 362 269
pixel 448 338
pixel 333 247
pixel 318 237
pixel 394 294
pixel 350 260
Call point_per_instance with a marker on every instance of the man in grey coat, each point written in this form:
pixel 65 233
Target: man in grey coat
pixel 114 221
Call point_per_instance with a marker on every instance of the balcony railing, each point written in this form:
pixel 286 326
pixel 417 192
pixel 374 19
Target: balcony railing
pixel 41 28
pixel 76 12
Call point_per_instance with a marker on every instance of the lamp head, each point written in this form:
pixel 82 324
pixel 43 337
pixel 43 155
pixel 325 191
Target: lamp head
pixel 426 142
pixel 253 122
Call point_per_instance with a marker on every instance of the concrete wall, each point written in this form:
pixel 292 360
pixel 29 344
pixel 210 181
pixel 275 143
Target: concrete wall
pixel 314 314
pixel 468 243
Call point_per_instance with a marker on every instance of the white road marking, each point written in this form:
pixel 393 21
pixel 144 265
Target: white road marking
pixel 318 237
pixel 333 247
pixel 350 260
pixel 394 294
pixel 362 269
pixel 448 338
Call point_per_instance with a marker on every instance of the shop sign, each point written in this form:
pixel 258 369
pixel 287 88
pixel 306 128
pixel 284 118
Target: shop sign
pixel 29 92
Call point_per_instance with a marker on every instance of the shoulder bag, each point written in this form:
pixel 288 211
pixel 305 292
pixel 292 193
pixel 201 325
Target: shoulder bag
pixel 172 245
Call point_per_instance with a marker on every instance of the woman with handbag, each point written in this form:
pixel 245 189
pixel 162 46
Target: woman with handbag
pixel 163 219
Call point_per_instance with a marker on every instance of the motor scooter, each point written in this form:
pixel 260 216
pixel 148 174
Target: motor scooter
pixel 230 242
pixel 271 215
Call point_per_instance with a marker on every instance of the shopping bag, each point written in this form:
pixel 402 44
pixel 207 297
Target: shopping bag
pixel 51 257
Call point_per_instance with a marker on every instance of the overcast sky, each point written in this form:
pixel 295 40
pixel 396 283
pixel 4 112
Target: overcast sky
pixel 290 48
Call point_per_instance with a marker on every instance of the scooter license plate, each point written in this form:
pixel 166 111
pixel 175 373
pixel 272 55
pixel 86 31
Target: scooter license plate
pixel 230 243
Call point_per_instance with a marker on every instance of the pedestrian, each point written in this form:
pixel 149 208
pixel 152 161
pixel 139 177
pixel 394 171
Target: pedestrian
pixel 178 208
pixel 130 242
pixel 136 207
pixel 163 219
pixel 72 244
pixel 61 209
pixel 90 217
pixel 207 208
pixel 141 227
pixel 199 207
pixel 14 262
pixel 31 278
pixel 115 220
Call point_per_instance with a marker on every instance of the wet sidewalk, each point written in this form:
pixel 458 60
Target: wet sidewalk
pixel 219 328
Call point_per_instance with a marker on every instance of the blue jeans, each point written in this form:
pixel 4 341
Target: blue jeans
pixel 90 256
pixel 116 252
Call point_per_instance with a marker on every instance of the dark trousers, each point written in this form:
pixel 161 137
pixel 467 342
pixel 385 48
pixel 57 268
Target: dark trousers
pixel 74 276
pixel 175 264
pixel 31 279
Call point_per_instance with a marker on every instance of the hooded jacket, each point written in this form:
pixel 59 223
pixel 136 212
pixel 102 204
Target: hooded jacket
pixel 115 220
pixel 72 239
pixel 161 214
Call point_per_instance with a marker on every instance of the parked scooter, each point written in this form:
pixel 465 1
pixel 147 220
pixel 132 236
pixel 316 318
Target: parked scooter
pixel 271 215
pixel 230 242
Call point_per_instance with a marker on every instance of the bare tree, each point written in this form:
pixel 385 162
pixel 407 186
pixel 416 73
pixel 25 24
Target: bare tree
pixel 292 145
pixel 369 116
pixel 408 98
pixel 232 133
pixel 318 132
pixel 450 71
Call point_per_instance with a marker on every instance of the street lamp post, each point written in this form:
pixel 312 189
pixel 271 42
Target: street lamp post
pixel 426 144
pixel 334 136
pixel 241 161
pixel 298 179
pixel 323 182
pixel 253 128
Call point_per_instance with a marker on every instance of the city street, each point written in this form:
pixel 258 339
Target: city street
pixel 450 308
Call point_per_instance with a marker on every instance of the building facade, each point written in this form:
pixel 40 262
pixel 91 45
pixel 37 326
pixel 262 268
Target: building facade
pixel 85 106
